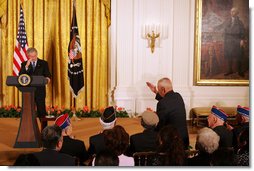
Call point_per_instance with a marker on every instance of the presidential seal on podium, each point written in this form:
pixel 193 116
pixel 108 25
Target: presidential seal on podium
pixel 24 79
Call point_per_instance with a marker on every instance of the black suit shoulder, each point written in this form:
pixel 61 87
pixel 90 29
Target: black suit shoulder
pixel 96 144
pixel 74 148
pixel 48 157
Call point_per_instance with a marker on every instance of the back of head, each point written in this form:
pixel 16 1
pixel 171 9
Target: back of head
pixel 108 118
pixel 171 143
pixel 27 160
pixel 106 158
pixel 117 139
pixel 50 136
pixel 149 119
pixel 207 140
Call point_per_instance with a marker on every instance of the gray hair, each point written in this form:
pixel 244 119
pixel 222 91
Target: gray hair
pixel 166 83
pixel 207 140
pixel 31 50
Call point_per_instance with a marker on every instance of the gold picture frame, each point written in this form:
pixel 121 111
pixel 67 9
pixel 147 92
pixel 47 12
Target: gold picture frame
pixel 217 62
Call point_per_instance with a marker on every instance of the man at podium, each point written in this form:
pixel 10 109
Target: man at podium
pixel 37 67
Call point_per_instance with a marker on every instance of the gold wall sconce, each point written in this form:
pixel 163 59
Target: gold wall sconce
pixel 153 32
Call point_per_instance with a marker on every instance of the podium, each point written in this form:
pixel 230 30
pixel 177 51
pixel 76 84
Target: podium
pixel 28 134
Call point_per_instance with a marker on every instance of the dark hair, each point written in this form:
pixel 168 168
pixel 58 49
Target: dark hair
pixel 106 158
pixel 116 139
pixel 50 136
pixel 171 144
pixel 27 160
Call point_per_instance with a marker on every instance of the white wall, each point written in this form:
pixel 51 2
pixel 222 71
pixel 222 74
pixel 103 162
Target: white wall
pixel 132 63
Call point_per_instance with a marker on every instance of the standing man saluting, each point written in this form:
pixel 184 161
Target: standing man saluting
pixel 37 67
pixel 170 108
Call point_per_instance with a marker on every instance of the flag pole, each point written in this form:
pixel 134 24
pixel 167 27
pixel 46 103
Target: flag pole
pixel 73 98
pixel 74 110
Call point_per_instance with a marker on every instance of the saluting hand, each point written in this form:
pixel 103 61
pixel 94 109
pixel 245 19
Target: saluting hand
pixel 152 87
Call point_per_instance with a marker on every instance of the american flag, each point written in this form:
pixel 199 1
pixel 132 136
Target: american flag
pixel 75 64
pixel 21 45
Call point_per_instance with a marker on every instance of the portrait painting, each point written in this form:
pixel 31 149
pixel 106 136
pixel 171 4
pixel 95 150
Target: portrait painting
pixel 221 42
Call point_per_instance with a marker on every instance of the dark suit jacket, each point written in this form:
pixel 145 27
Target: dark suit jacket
pixel 171 111
pixel 226 136
pixel 202 159
pixel 75 148
pixel 48 157
pixel 236 132
pixel 41 69
pixel 144 141
pixel 96 144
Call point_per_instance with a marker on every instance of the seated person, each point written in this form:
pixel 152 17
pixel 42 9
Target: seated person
pixel 107 121
pixel 73 147
pixel 207 142
pixel 26 160
pixel 52 141
pixel 223 157
pixel 117 141
pixel 242 118
pixel 106 158
pixel 216 120
pixel 146 140
pixel 172 145
pixel 242 155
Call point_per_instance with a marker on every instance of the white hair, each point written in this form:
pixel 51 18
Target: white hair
pixel 207 140
pixel 166 83
pixel 109 125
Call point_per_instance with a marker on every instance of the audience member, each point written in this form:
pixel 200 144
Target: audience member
pixel 107 121
pixel 216 121
pixel 207 142
pixel 73 147
pixel 26 160
pixel 106 158
pixel 170 108
pixel 52 141
pixel 146 140
pixel 223 157
pixel 172 145
pixel 117 141
pixel 242 118
pixel 242 155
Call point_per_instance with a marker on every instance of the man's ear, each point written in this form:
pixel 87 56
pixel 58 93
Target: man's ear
pixel 59 145
pixel 215 119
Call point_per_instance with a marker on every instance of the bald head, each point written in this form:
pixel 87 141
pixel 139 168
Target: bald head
pixel 234 12
pixel 164 86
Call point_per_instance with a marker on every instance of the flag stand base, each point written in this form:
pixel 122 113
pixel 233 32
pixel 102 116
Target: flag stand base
pixel 75 117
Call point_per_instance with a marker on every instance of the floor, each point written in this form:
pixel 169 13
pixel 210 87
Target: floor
pixel 82 129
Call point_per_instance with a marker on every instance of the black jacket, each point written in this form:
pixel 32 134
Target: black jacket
pixel 41 69
pixel 171 111
pixel 48 157
pixel 226 136
pixel 75 148
pixel 96 144
pixel 144 141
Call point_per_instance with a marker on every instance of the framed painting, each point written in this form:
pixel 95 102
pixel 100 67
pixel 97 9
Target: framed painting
pixel 221 43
